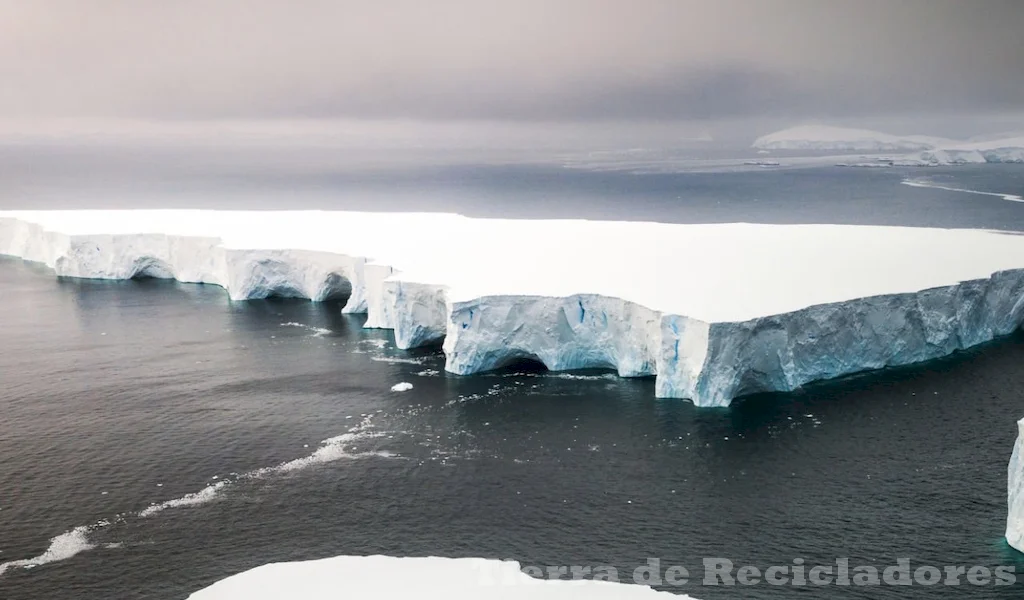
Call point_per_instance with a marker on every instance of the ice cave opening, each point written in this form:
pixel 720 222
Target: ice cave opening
pixel 335 289
pixel 522 364
pixel 149 267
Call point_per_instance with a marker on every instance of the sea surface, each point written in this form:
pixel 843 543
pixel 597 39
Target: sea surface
pixel 166 437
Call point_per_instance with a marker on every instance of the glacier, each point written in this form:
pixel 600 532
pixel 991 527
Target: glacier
pixel 713 312
pixel 919 150
pixel 387 577
pixel 831 138
pixel 1015 492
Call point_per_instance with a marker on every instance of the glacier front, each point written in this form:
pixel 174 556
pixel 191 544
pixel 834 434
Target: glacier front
pixel 714 312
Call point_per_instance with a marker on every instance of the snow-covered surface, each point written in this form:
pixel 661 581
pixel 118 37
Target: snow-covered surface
pixel 1002 150
pixel 928 150
pixel 828 138
pixel 713 311
pixel 386 577
pixel 1015 492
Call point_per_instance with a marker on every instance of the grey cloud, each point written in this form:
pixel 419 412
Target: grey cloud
pixel 511 59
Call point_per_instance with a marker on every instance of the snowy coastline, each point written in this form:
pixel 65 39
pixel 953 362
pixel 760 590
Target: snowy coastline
pixel 918 150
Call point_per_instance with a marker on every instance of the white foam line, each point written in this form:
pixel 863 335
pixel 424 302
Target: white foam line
pixel 62 547
pixel 72 542
pixel 203 496
pixel 396 360
pixel 317 331
pixel 925 184
pixel 573 377
pixel 330 450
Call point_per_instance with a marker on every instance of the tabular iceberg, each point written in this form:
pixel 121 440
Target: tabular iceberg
pixel 1015 492
pixel 385 577
pixel 714 312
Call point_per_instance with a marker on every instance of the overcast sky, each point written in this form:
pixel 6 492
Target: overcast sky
pixel 508 59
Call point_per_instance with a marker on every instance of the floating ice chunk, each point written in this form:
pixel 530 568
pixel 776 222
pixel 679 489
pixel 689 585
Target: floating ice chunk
pixel 1015 492
pixel 388 578
pixel 404 386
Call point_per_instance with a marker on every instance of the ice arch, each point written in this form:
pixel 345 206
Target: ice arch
pixel 150 267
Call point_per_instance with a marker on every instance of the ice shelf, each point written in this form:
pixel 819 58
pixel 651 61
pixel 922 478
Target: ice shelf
pixel 714 312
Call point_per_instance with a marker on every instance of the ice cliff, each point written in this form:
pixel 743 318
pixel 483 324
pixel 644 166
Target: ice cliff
pixel 714 312
pixel 1015 492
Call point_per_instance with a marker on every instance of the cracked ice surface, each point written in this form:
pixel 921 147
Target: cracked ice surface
pixel 713 311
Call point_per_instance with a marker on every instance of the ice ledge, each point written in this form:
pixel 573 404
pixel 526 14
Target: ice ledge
pixel 780 314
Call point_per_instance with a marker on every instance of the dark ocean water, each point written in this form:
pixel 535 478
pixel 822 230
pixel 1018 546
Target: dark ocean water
pixel 90 177
pixel 116 396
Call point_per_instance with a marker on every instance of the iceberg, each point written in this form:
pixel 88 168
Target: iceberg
pixel 386 577
pixel 1015 492
pixel 713 312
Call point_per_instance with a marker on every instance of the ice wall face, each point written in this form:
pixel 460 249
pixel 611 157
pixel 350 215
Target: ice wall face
pixel 784 352
pixel 575 332
pixel 713 363
pixel 1015 492
pixel 829 301
pixel 187 259
pixel 418 313
pixel 246 274
pixel 317 276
